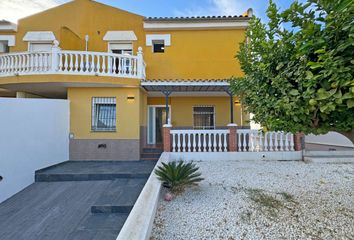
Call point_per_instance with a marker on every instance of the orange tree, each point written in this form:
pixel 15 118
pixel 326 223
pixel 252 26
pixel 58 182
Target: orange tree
pixel 300 78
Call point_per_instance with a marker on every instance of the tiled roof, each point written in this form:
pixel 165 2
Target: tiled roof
pixel 186 85
pixel 3 21
pixel 188 80
pixel 198 18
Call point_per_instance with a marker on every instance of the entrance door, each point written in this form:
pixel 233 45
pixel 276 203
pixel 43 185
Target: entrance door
pixel 156 120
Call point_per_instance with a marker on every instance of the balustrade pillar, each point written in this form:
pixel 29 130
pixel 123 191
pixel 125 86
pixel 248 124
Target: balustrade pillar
pixel 140 63
pixel 299 141
pixel 167 137
pixel 55 56
pixel 232 137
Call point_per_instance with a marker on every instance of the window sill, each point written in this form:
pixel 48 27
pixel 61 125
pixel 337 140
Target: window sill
pixel 103 130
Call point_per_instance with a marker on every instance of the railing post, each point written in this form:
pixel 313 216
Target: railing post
pixel 167 137
pixel 299 141
pixel 55 56
pixel 232 137
pixel 140 63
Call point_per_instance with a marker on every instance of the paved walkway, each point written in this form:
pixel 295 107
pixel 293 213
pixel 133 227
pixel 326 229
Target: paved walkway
pixel 94 208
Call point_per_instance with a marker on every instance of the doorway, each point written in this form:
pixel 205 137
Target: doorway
pixel 156 120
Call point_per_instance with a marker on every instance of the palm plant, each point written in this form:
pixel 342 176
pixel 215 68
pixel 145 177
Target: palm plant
pixel 176 175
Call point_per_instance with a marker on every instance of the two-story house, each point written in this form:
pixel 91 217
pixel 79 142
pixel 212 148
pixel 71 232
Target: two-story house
pixel 125 75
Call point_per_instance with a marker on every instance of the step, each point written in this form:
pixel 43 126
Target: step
pixel 42 177
pixel 330 159
pixel 119 197
pixel 150 155
pixel 152 150
pixel 105 226
pixel 94 171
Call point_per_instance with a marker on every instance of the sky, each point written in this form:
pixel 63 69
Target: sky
pixel 12 10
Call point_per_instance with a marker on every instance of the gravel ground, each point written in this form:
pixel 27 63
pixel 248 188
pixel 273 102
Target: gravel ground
pixel 262 200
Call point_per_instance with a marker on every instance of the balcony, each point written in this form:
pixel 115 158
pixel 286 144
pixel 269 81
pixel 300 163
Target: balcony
pixel 59 61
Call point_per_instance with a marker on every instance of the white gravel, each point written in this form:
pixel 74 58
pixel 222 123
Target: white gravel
pixel 312 201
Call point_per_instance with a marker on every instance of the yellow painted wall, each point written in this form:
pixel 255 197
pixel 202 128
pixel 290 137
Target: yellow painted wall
pixel 193 54
pixel 81 17
pixel 143 108
pixel 128 119
pixel 196 54
pixel 182 110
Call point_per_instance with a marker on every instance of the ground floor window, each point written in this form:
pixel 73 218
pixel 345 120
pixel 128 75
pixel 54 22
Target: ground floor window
pixel 103 114
pixel 203 117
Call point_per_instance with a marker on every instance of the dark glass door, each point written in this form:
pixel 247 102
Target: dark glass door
pixel 160 120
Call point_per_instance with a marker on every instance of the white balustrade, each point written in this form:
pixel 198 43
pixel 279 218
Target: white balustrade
pixel 199 140
pixel 255 141
pixel 74 63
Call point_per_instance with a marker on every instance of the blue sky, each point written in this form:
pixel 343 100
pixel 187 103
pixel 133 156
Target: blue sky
pixel 15 9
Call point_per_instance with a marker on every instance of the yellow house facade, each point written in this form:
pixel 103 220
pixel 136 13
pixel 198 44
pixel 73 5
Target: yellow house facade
pixel 125 75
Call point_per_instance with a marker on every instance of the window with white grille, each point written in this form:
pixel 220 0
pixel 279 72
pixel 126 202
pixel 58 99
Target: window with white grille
pixel 103 114
pixel 203 117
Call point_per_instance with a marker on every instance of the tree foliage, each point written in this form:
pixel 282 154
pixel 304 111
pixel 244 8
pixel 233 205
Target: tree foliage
pixel 299 67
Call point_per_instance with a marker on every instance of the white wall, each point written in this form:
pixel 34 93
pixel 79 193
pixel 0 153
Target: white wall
pixel 33 135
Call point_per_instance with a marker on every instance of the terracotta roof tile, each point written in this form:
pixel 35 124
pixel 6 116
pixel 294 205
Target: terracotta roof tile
pixel 200 18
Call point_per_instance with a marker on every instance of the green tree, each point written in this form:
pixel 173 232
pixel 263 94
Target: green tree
pixel 300 79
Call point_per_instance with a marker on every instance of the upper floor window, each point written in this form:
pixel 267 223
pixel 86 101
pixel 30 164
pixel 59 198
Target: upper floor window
pixel 158 42
pixel 124 49
pixel 6 41
pixel 158 46
pixel 4 47
pixel 39 47
pixel 120 42
pixel 39 41
pixel 204 117
pixel 121 48
pixel 103 114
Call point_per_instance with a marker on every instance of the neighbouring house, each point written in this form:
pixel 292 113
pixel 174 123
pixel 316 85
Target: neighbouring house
pixel 125 75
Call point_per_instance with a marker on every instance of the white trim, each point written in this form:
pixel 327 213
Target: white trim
pixel 11 39
pixel 8 27
pixel 39 36
pixel 153 37
pixel 184 83
pixel 195 25
pixel 120 36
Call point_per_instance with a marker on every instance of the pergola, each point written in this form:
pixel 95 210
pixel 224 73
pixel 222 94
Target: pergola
pixel 168 87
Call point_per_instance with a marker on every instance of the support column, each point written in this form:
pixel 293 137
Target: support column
pixel 232 137
pixel 231 106
pixel 299 141
pixel 167 137
pixel 167 94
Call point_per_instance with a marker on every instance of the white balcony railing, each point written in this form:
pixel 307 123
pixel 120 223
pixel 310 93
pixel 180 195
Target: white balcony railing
pixel 255 141
pixel 199 140
pixel 57 61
